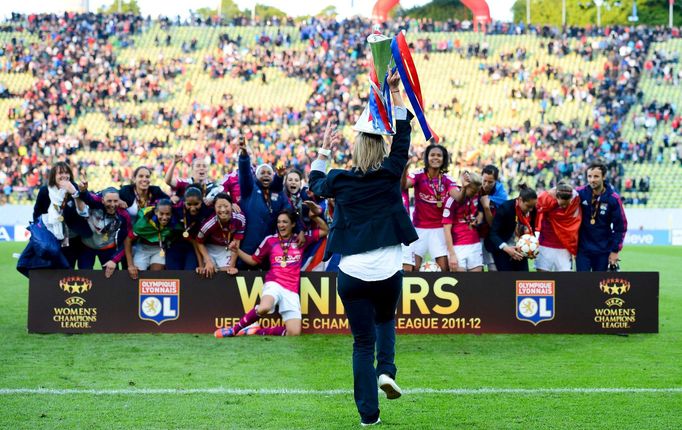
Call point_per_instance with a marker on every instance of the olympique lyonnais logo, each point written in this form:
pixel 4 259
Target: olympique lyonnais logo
pixel 535 301
pixel 159 300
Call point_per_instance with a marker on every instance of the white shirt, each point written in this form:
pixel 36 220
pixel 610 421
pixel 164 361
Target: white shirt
pixel 375 265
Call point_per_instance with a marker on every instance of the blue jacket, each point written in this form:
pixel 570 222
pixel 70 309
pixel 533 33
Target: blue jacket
pixel 606 235
pixel 261 221
pixel 369 212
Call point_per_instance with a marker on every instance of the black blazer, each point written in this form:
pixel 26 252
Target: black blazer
pixel 369 212
pixel 127 194
pixel 73 221
pixel 504 225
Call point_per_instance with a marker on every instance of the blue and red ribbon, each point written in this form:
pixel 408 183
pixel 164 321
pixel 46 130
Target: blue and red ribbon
pixel 380 107
pixel 410 79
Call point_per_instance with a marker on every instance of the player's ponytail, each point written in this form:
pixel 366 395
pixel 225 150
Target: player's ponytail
pixel 526 193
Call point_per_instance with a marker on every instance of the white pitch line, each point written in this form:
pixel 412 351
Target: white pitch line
pixel 343 392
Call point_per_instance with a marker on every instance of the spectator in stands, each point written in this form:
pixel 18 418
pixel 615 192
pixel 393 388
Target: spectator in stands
pixel 216 235
pixel 431 188
pixel 283 280
pixel 603 224
pixel 152 231
pixel 513 219
pixel 559 216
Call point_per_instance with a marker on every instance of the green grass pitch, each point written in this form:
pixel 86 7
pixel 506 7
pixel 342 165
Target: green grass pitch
pixel 317 365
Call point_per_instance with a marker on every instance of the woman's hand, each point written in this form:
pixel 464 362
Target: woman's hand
pixel 231 270
pixel 513 253
pixel 452 261
pixel 209 269
pixel 315 209
pixel 394 81
pixel 68 186
pixel 331 136
pixel 109 268
pixel 133 271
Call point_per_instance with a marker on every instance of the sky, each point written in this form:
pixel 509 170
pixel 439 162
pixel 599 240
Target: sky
pixel 499 9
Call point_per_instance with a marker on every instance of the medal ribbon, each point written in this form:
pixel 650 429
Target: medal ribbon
pixel 285 250
pixel 436 189
pixel 524 220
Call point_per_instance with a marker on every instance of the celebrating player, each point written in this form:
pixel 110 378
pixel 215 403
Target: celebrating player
pixel 140 194
pixel 431 188
pixel 559 217
pixel 460 222
pixel 152 231
pixel 282 282
pixel 223 229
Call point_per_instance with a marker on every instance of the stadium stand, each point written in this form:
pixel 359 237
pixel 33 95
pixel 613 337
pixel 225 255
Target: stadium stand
pixel 111 92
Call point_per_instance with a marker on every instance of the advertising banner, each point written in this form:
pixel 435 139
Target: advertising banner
pixel 181 302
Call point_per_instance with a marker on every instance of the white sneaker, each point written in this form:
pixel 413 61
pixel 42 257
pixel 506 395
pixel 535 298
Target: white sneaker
pixel 377 422
pixel 388 386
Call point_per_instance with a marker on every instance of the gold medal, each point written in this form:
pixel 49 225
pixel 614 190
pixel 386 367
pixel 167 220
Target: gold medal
pixel 162 253
pixel 60 218
pixel 105 237
pixel 185 234
pixel 592 221
pixel 283 263
pixel 439 204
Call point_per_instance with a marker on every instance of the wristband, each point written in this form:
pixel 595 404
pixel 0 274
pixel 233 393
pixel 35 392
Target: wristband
pixel 323 151
pixel 76 194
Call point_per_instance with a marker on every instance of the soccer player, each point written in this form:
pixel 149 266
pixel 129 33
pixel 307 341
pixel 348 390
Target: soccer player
pixel 513 219
pixel 152 231
pixel 431 188
pixel 603 225
pixel 491 195
pixel 140 194
pixel 190 213
pixel 460 222
pixel 198 177
pixel 282 282
pixel 110 226
pixel 559 218
pixel 217 234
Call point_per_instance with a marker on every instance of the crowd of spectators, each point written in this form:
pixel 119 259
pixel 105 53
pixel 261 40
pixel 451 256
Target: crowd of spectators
pixel 77 72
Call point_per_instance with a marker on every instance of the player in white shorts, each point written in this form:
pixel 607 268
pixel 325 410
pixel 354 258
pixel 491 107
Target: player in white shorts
pixel 431 187
pixel 560 216
pixel 460 219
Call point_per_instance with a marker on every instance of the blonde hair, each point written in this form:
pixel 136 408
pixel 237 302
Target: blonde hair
pixel 475 179
pixel 369 151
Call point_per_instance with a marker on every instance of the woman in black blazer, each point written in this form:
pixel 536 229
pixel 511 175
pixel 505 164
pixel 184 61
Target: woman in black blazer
pixel 61 208
pixel 370 224
pixel 513 219
pixel 140 194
